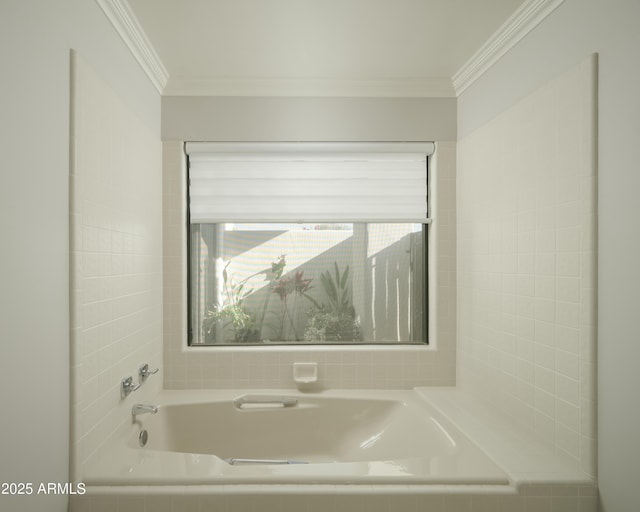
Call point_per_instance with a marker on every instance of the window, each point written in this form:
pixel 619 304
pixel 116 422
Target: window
pixel 307 243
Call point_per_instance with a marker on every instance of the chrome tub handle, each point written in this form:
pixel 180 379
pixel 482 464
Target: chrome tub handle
pixel 266 400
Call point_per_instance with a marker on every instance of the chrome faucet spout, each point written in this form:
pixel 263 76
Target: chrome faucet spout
pixel 143 409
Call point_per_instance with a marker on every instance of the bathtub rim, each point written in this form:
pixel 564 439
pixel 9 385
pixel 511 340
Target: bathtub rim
pixel 551 470
pixel 104 468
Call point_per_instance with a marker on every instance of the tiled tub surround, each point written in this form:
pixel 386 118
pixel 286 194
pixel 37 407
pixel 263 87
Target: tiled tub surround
pixel 531 477
pixel 115 249
pixel 527 263
pixel 544 473
pixel 364 367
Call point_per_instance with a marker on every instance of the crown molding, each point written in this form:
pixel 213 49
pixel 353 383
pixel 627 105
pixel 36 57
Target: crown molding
pixel 523 21
pixel 126 24
pixel 212 86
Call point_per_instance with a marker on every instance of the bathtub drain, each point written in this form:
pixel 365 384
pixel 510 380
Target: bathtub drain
pixel 143 437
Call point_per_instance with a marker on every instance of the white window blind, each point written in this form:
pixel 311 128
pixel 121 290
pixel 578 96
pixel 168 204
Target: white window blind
pixel 298 182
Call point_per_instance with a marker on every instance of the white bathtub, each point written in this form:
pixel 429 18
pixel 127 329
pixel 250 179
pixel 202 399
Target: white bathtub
pixel 333 437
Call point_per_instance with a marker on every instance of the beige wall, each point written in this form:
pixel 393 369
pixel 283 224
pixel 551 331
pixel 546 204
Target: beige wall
pixel 36 37
pixel 576 29
pixel 308 119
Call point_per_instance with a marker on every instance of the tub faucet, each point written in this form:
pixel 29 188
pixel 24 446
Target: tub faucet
pixel 143 409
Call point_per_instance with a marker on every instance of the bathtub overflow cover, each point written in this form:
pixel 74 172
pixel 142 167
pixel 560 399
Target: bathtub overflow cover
pixel 143 437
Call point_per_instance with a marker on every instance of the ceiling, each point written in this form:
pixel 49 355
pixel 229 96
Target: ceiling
pixel 349 47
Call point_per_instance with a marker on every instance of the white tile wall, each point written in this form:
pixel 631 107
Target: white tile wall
pixel 527 262
pixel 116 258
pixel 271 367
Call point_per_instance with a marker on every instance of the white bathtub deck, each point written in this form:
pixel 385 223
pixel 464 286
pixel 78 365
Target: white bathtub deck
pixel 527 459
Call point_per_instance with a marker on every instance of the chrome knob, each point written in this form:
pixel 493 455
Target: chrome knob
pixel 144 372
pixel 127 386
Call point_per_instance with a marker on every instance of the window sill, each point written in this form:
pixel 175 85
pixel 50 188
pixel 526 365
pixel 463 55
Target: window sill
pixel 315 348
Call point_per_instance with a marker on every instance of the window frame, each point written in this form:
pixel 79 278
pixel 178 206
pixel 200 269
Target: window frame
pixel 426 293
